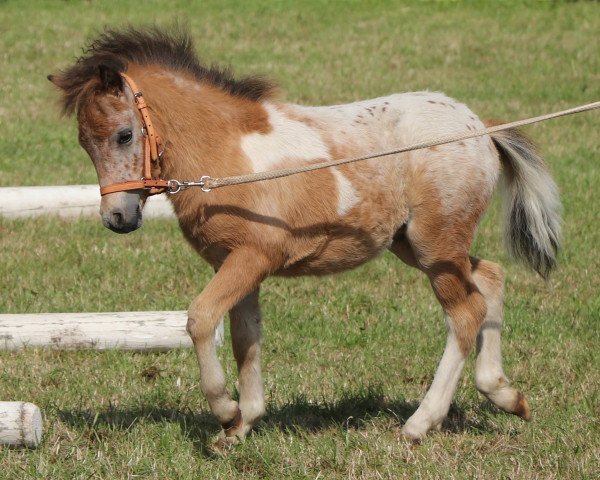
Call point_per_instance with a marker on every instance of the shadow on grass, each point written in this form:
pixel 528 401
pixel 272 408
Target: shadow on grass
pixel 351 411
pixel 199 428
pixel 299 416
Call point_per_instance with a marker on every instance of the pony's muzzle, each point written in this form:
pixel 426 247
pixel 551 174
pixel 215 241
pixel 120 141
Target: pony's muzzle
pixel 118 222
pixel 121 211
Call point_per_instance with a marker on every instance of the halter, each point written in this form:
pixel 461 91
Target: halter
pixel 152 153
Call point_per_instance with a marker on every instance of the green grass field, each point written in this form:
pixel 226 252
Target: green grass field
pixel 346 359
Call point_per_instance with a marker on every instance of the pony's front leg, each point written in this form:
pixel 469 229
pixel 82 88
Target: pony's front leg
pixel 239 275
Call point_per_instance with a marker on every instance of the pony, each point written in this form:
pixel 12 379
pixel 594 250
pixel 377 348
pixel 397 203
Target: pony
pixel 423 206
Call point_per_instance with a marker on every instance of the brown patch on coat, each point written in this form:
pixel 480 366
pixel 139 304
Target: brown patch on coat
pixel 491 122
pixel 298 117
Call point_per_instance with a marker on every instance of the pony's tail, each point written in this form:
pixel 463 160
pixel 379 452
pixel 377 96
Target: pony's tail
pixel 532 204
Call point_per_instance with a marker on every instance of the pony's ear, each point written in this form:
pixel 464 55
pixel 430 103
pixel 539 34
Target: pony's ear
pixel 110 79
pixel 53 79
pixel 57 80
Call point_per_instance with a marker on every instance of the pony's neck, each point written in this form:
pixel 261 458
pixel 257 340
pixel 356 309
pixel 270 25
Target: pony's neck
pixel 199 124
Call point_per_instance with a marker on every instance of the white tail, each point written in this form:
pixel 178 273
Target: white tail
pixel 532 203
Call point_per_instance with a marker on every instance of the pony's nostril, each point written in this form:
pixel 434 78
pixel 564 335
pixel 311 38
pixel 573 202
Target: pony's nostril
pixel 117 218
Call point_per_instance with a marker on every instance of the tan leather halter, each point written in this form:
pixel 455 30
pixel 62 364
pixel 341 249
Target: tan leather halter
pixel 152 152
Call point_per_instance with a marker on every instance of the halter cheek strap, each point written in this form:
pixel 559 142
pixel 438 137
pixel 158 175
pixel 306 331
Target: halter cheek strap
pixel 152 152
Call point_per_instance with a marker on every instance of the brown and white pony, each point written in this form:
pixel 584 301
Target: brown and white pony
pixel 424 206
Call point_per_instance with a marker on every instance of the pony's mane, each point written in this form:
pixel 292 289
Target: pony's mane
pixel 172 49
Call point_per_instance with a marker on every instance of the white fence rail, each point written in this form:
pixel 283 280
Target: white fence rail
pixel 122 330
pixel 67 201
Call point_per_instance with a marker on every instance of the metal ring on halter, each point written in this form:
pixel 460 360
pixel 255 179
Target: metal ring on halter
pixel 203 180
pixel 174 186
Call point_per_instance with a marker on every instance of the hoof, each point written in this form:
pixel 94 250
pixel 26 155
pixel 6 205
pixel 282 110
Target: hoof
pixel 412 434
pixel 521 408
pixel 222 445
pixel 230 435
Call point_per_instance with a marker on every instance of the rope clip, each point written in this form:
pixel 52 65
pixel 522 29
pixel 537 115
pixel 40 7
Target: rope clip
pixel 175 186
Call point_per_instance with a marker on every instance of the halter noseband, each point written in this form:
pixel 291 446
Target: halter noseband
pixel 152 152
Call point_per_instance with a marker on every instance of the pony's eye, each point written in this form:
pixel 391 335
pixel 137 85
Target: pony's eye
pixel 125 137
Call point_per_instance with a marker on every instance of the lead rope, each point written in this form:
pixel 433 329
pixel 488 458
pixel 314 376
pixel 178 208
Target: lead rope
pixel 207 183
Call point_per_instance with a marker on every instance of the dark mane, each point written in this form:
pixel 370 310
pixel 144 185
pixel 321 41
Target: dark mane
pixel 173 49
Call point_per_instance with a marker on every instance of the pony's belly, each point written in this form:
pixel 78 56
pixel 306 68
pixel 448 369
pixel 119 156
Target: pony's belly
pixel 343 250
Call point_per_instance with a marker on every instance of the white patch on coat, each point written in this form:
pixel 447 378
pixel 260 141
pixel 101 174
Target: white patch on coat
pixel 347 195
pixel 289 141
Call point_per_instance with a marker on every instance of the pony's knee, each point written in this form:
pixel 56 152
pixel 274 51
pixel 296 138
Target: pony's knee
pixel 192 326
pixel 200 327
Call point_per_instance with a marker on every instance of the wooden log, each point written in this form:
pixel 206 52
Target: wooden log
pixel 20 424
pixel 122 330
pixel 67 201
pixel 126 330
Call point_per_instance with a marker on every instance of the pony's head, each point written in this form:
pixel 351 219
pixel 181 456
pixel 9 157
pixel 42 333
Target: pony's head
pixel 110 131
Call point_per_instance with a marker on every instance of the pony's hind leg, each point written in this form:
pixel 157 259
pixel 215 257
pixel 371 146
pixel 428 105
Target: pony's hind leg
pixel 433 245
pixel 245 335
pixel 489 375
pixel 464 311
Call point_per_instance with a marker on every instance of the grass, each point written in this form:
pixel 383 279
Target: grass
pixel 347 358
